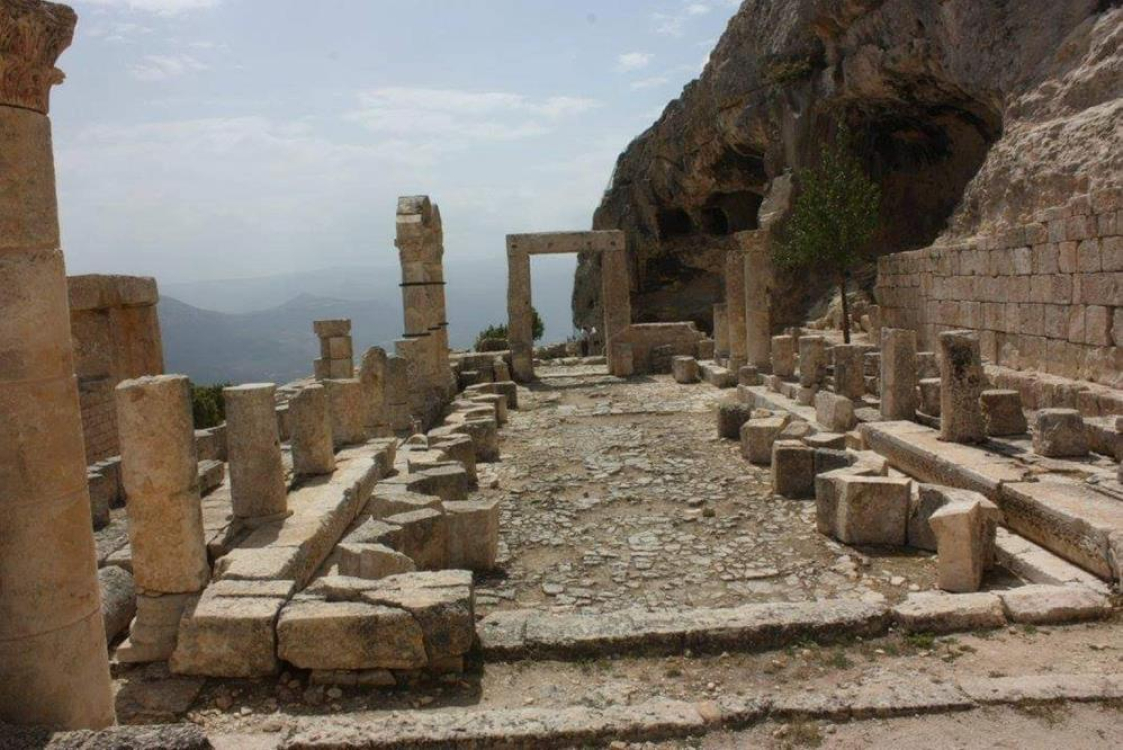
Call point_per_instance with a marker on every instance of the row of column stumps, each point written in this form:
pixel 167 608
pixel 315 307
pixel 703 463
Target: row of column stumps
pixel 54 665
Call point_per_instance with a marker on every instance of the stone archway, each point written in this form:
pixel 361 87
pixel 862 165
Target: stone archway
pixel 615 290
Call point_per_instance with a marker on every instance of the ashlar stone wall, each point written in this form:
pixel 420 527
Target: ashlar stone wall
pixel 1044 296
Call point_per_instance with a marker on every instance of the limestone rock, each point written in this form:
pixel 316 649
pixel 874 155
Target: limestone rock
pixel 1059 433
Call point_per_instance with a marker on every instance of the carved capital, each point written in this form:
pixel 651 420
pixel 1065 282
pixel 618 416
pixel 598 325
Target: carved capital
pixel 32 36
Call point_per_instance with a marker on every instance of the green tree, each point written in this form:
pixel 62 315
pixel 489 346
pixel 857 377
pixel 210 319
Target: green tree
pixel 207 405
pixel 538 330
pixel 833 219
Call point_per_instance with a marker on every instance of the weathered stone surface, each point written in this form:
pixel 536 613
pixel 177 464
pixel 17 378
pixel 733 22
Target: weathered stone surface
pixel 793 469
pixel 872 510
pixel 1059 433
pixel 961 386
pixel 731 415
pixel 314 634
pixel 812 360
pixel 253 444
pixel 1003 413
pixel 936 612
pixel 118 600
pixel 849 373
pixel 371 561
pixel 311 429
pixel 1052 605
pixel 423 537
pixel 898 374
pixel 348 409
pixel 833 412
pixel 228 637
pixel 757 436
pixel 440 603
pixel 929 389
pixel 473 534
pixel 783 356
pixel 965 530
pixel 684 369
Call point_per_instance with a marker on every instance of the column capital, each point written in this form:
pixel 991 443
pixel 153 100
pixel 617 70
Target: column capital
pixel 32 36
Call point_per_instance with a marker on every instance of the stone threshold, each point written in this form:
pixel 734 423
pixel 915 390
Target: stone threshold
pixel 663 719
pixel 515 635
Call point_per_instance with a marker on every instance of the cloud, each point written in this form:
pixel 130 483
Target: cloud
pixel 633 61
pixel 160 7
pixel 673 23
pixel 462 115
pixel 163 67
pixel 118 31
pixel 649 83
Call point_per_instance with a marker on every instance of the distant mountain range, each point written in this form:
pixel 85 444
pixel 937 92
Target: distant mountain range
pixel 260 329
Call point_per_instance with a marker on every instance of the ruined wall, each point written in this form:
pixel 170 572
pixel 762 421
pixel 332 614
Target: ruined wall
pixel 116 336
pixel 683 339
pixel 971 115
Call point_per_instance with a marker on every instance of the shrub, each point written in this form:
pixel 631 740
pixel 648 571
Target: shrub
pixel 538 330
pixel 207 405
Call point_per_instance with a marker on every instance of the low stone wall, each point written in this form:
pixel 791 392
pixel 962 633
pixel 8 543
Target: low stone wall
pixel 682 337
pixel 1045 296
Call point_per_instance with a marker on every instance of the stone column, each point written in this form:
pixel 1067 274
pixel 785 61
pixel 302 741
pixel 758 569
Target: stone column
pixel 347 410
pixel 616 295
pixel 898 374
pixel 735 308
pixel 849 371
pixel 961 385
pixel 757 255
pixel 783 356
pixel 312 451
pixel 253 447
pixel 812 360
pixel 721 331
pixel 372 373
pixel 397 393
pixel 520 321
pixel 336 356
pixel 159 470
pixel 54 667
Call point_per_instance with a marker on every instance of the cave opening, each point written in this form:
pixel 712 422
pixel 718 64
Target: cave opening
pixel 673 222
pixel 725 213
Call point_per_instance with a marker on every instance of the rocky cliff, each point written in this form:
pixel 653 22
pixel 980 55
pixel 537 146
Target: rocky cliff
pixel 971 114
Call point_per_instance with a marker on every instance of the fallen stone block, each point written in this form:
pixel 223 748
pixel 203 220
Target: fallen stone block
pixel 831 440
pixel 826 496
pixel 314 634
pixel 684 370
pixel 473 534
pixel 371 561
pixel 833 412
pixel 449 482
pixel 228 637
pixel 749 376
pixel 731 414
pixel 872 510
pixel 793 469
pixel 965 530
pixel 1039 604
pixel 118 600
pixel 717 376
pixel 757 437
pixel 1003 413
pixel 1059 433
pixel 928 499
pixel 423 537
pixel 937 612
pixel 797 429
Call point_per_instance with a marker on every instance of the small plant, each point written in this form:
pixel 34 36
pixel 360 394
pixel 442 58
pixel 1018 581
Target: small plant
pixel 208 409
pixel 833 218
pixel 493 332
pixel 921 641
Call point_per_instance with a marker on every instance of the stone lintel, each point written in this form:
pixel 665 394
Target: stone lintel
pixel 545 243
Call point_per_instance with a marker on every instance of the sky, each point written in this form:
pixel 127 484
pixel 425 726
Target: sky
pixel 214 139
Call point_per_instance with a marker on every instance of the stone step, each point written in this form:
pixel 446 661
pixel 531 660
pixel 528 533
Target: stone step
pixel 716 375
pixel 664 719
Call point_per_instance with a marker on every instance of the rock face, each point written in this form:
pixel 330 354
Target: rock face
pixel 970 114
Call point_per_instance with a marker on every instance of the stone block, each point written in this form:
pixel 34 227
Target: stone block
pixel 371 561
pixel 118 600
pixel 314 634
pixel 849 372
pixel 872 510
pixel 473 534
pixel 102 493
pixel 929 390
pixel 797 430
pixel 757 436
pixel 1053 605
pixel 937 612
pixel 783 356
pixel 812 360
pixel 964 530
pixel 329 328
pixel 1003 412
pixel 684 370
pixel 423 537
pixel 441 603
pixel 793 469
pixel 228 637
pixel 833 412
pixel 749 376
pixel 1059 433
pixel 731 415
pixel 510 389
pixel 339 347
pixel 962 381
pixel 449 482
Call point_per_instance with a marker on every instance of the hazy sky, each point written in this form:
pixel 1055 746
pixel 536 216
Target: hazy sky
pixel 202 139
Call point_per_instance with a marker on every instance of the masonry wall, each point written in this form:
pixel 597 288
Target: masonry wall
pixel 116 335
pixel 1044 296
pixel 683 338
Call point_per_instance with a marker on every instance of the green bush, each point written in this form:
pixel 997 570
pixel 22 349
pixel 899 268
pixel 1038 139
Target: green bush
pixel 538 330
pixel 207 405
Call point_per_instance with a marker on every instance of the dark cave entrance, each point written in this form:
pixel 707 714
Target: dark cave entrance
pixel 673 222
pixel 726 213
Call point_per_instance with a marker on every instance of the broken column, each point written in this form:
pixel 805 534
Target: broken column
pixel 735 307
pixel 898 374
pixel 721 331
pixel 312 447
pixel 372 374
pixel 757 260
pixel 783 356
pixel 961 385
pixel 54 668
pixel 397 393
pixel 253 445
pixel 336 358
pixel 812 360
pixel 965 531
pixel 849 371
pixel 347 411
pixel 159 469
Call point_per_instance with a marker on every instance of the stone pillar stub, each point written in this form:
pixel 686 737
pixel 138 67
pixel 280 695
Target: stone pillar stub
pixel 783 356
pixel 812 360
pixel 159 470
pixel 721 331
pixel 616 290
pixel 347 410
pixel 520 320
pixel 312 449
pixel 961 386
pixel 898 374
pixel 372 374
pixel 253 446
pixel 849 371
